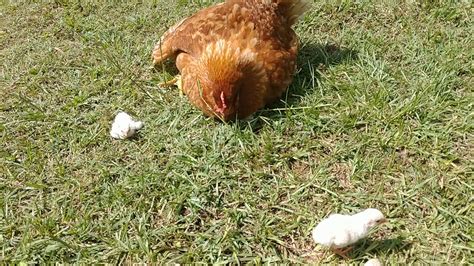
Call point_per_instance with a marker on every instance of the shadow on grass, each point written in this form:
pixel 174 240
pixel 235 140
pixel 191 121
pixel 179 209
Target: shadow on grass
pixel 376 247
pixel 313 59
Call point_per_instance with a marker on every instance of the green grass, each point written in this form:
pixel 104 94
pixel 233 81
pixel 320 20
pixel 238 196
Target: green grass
pixel 380 115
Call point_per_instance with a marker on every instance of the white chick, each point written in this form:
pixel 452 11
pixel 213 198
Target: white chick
pixel 339 231
pixel 124 126
pixel 373 262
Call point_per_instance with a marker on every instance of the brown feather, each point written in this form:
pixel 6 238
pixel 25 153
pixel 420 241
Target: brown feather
pixel 234 57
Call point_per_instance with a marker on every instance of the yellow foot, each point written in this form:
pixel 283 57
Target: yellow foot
pixel 176 81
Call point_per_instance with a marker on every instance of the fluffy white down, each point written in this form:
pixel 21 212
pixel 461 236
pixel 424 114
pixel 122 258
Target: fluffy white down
pixel 124 126
pixel 373 262
pixel 339 230
pixel 335 231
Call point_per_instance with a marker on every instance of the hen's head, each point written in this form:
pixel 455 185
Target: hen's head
pixel 222 69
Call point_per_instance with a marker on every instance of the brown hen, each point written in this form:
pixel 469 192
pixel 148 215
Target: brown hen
pixel 234 57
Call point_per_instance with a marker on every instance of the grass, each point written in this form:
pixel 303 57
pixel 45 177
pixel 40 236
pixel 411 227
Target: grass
pixel 380 115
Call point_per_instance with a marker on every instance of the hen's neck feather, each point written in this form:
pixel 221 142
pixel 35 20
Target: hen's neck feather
pixel 223 62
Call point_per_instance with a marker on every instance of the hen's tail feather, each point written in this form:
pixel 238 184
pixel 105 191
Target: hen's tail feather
pixel 293 9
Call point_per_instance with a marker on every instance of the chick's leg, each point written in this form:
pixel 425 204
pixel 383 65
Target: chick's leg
pixel 342 252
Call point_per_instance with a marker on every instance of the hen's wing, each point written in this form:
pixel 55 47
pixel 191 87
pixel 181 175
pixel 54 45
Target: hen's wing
pixel 191 34
pixel 163 49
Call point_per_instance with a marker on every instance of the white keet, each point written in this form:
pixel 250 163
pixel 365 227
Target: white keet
pixel 124 126
pixel 373 262
pixel 339 231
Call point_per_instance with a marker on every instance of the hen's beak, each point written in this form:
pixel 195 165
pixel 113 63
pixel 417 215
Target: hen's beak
pixel 384 220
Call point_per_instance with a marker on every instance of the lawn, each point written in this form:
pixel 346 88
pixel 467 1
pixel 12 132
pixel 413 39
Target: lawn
pixel 380 114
